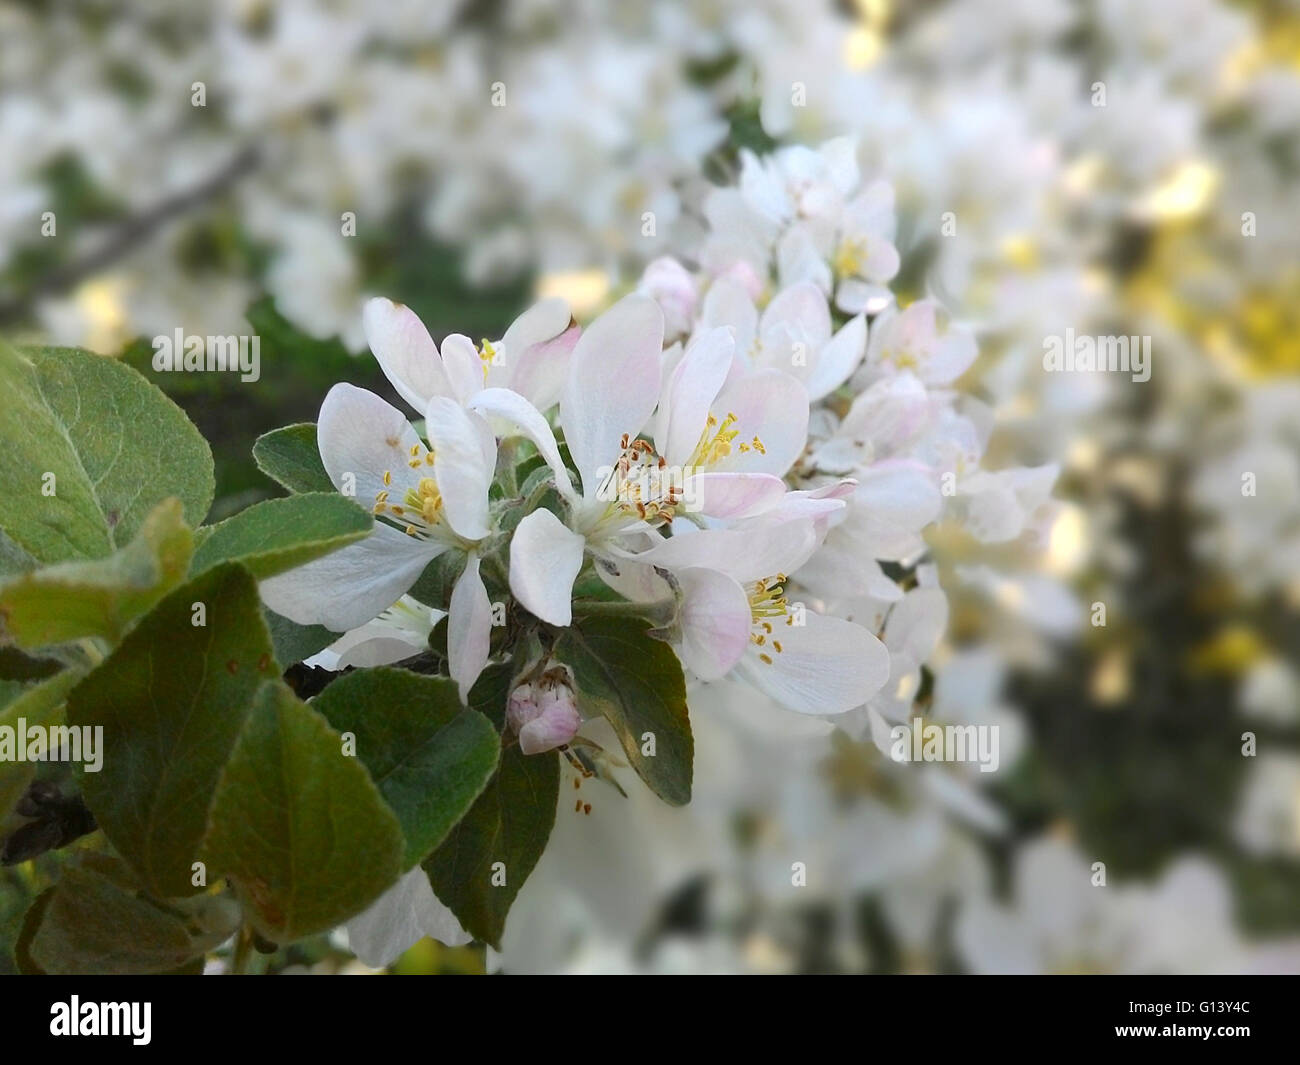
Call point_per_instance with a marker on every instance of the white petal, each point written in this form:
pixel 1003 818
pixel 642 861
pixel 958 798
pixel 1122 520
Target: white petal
pixel 694 385
pixel 825 666
pixel 514 408
pixel 952 357
pixel 744 555
pixel 916 623
pixel 402 916
pixel 469 627
pixel 838 359
pixel 773 406
pixel 613 384
pixel 405 351
pixel 728 304
pixel 545 556
pixel 362 436
pixel 351 586
pixel 715 621
pixel 460 466
pixel 464 367
pixel 798 311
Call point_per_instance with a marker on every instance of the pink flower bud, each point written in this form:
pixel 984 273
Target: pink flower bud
pixel 670 284
pixel 543 713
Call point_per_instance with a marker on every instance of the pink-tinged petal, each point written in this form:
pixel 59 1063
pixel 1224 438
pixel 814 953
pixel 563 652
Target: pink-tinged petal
pixel 464 367
pixel 469 627
pixel 744 555
pixel 351 586
pixel 538 346
pixel 825 666
pixel 511 407
pixel 715 622
pixel 545 557
pixel 773 406
pixel 613 384
pixel 362 436
pixel 732 495
pixel 693 386
pixel 834 364
pixel 405 351
pixel 460 466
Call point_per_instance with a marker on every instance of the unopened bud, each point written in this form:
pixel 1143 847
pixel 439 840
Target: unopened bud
pixel 543 712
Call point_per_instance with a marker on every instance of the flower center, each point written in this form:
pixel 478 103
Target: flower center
pixel 421 507
pixel 849 257
pixel 640 482
pixel 488 354
pixel 768 608
pixel 717 439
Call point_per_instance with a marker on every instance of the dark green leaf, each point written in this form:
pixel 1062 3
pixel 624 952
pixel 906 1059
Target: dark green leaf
pixel 635 681
pixel 172 699
pixel 509 824
pixel 429 756
pixel 298 825
pixel 97 922
pixel 292 457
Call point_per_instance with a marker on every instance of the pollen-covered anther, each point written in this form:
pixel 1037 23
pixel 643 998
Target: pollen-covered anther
pixel 767 602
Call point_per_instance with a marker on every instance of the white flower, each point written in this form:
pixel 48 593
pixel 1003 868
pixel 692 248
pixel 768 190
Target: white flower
pixel 531 359
pixel 426 501
pixel 912 339
pixel 735 614
pixel 793 334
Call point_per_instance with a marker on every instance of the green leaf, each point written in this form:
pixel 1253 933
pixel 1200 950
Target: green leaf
pixel 429 756
pixel 115 445
pixel 291 457
pixel 279 534
pixel 294 642
pixel 172 699
pixel 72 600
pixel 40 704
pixel 635 681
pixel 97 921
pixel 510 823
pixel 298 825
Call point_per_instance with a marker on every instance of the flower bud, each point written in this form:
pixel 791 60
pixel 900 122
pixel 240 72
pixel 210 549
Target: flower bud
pixel 543 712
pixel 670 284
